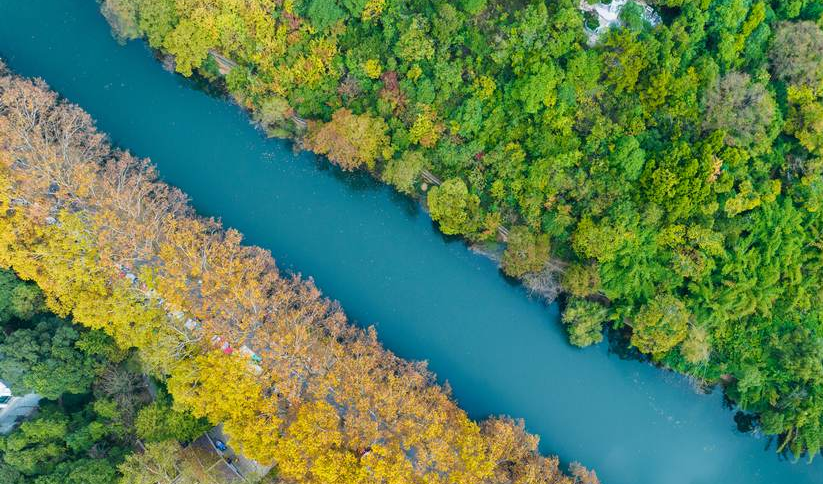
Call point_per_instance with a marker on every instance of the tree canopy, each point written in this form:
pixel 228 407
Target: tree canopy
pixel 648 157
pixel 84 426
pixel 234 340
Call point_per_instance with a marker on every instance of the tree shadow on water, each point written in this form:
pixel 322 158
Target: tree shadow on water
pixel 358 180
pixel 619 340
pixel 412 207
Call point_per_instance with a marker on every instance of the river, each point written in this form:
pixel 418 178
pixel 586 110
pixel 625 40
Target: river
pixel 380 256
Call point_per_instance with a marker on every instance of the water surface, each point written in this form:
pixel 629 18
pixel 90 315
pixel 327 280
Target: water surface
pixel 377 253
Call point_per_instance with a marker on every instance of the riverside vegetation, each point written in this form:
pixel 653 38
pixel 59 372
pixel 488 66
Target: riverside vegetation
pixel 96 404
pixel 668 177
pixel 126 255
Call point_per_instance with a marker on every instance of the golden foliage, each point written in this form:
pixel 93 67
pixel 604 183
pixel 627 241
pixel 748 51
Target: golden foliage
pixel 123 252
pixel 351 140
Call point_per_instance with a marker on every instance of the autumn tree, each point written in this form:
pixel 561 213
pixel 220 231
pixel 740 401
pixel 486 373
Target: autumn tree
pixel 318 392
pixel 742 108
pixel 273 114
pixel 581 280
pixel 696 348
pixel 311 456
pixel 426 129
pixel 351 140
pixel 525 252
pixel 797 54
pixel 207 374
pixel 190 41
pixel 157 18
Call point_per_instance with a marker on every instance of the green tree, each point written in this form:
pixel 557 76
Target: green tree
pixel 628 157
pixel 157 19
pixel 679 179
pixel 156 465
pixel 324 13
pixel 55 447
pixel 81 471
pixel 451 205
pixel 18 299
pixel 473 7
pixel 403 171
pixel 537 89
pixel 632 16
pixel 660 324
pixel 599 240
pixel 37 445
pixel 355 7
pixel 628 57
pixel 159 421
pixel 584 321
pixel 414 43
pixel 46 360
pixel 10 475
pixel 805 120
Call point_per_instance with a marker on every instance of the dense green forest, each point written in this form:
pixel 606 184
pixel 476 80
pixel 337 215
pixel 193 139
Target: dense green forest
pixel 97 422
pixel 668 176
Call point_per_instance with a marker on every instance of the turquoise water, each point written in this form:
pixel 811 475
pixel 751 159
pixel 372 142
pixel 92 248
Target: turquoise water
pixel 377 253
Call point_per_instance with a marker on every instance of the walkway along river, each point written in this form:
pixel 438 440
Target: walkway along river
pixel 378 253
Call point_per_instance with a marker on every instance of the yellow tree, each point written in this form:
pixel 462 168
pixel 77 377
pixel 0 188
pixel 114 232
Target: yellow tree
pixel 311 450
pixel 351 140
pixel 216 386
pixel 338 407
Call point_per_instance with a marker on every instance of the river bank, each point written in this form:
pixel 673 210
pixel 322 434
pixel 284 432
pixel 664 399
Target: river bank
pixel 640 182
pixel 318 396
pixel 375 252
pixel 544 286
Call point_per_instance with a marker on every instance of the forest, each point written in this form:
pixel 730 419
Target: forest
pixel 666 177
pixel 232 339
pixel 96 407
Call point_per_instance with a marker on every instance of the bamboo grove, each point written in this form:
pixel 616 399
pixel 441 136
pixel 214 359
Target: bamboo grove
pixel 666 175
pixel 324 401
